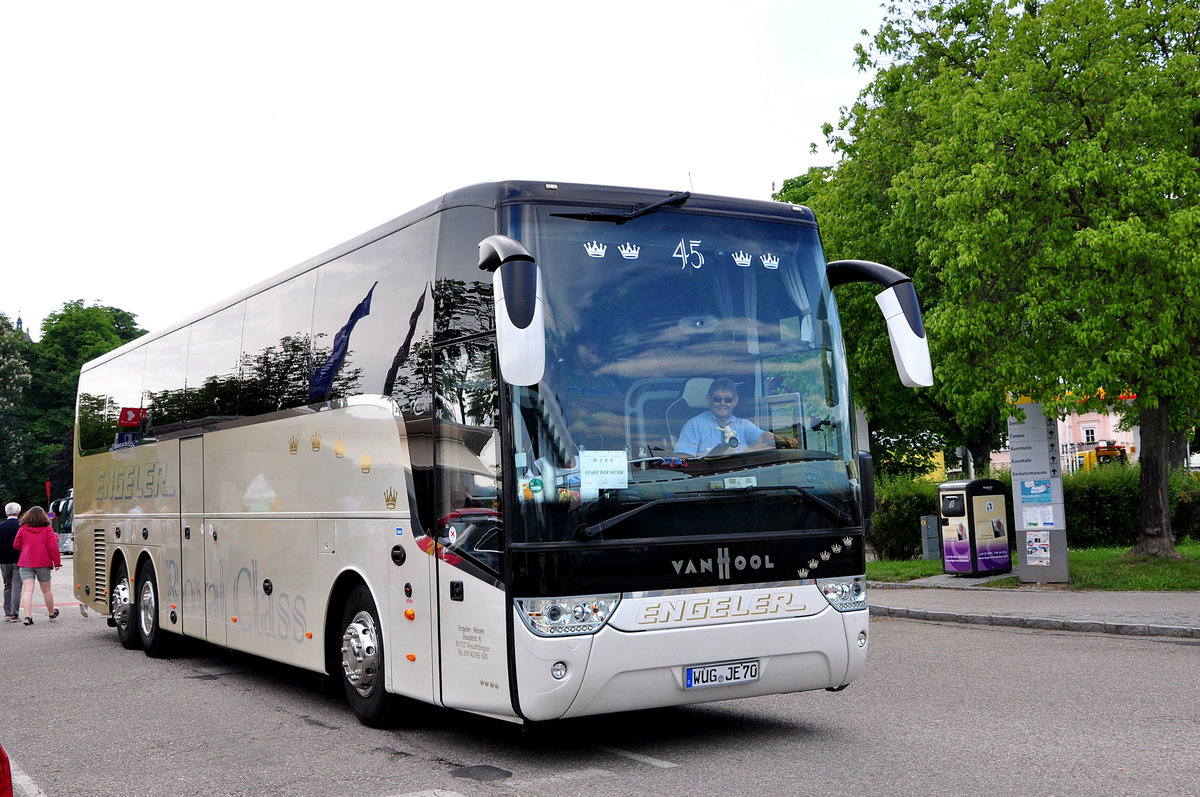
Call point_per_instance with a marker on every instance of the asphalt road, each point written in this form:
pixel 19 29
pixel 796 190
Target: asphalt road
pixel 941 710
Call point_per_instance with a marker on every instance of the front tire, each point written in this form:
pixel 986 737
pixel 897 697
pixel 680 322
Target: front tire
pixel 153 637
pixel 120 604
pixel 362 659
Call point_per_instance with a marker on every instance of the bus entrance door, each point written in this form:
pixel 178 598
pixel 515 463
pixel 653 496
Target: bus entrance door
pixel 191 506
pixel 198 560
pixel 471 603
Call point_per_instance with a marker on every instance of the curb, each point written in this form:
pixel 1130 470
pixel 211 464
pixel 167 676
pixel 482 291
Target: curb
pixel 1039 623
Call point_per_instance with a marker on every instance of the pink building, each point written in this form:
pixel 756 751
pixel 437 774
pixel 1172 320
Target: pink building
pixel 1079 433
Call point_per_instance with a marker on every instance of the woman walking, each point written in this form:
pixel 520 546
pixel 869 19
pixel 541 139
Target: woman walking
pixel 38 545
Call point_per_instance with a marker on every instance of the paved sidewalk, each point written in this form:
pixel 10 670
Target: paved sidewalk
pixel 958 599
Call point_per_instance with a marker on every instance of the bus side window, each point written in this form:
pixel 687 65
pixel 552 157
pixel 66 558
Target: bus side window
pixel 467 444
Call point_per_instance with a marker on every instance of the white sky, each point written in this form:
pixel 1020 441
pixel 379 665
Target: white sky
pixel 159 156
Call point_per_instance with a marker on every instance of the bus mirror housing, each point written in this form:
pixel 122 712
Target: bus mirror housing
pixel 520 323
pixel 906 330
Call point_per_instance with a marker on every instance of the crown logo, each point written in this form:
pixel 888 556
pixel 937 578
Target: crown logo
pixel 742 258
pixel 849 541
pixel 316 442
pixel 802 572
pixel 389 498
pixel 770 261
pixel 339 448
pixel 813 563
pixel 595 249
pixel 629 251
pixel 825 556
pixel 835 548
pixel 365 463
pixel 293 444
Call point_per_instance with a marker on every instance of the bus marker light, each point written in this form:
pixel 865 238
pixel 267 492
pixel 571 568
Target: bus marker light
pixel 411 657
pixel 409 614
pixel 233 618
pixel 308 634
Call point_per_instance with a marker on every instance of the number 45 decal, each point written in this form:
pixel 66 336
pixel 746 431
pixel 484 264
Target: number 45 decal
pixel 688 254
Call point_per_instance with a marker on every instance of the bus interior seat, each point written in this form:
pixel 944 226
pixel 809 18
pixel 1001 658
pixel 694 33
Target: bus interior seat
pixel 693 399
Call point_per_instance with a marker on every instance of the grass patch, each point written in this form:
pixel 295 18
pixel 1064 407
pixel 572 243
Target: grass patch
pixel 901 571
pixel 1090 569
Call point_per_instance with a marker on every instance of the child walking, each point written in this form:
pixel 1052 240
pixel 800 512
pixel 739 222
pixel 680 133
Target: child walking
pixel 38 545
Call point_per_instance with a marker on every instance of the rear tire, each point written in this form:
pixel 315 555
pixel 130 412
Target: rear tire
pixel 154 639
pixel 120 603
pixel 362 660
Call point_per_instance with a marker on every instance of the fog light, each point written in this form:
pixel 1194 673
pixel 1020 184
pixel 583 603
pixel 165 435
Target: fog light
pixel 559 670
pixel 862 639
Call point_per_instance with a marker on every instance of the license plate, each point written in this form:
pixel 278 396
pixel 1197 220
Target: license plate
pixel 703 676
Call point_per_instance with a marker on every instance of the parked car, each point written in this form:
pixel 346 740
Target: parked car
pixel 6 787
pixel 61 517
pixel 471 531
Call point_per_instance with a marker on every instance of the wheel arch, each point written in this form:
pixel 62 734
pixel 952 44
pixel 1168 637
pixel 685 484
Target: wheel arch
pixel 144 558
pixel 119 558
pixel 345 583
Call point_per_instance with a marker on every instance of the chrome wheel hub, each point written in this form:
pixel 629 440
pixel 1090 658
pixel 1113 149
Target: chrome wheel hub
pixel 122 605
pixel 360 653
pixel 147 608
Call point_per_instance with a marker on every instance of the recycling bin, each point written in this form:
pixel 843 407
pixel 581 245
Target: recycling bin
pixel 972 515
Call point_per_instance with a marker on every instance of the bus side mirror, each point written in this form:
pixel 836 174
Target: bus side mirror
pixel 866 481
pixel 520 323
pixel 906 330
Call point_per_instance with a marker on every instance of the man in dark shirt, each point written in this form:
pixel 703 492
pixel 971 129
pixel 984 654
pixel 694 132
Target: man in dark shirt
pixel 8 562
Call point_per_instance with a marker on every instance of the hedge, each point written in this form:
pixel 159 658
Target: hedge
pixel 1103 509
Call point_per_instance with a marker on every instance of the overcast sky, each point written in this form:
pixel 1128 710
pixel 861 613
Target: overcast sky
pixel 159 156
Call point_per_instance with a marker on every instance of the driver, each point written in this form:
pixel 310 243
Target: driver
pixel 718 430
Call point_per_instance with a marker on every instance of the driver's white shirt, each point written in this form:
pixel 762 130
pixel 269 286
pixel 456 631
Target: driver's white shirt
pixel 703 433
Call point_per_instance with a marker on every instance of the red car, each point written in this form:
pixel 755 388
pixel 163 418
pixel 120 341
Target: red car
pixel 6 789
pixel 472 530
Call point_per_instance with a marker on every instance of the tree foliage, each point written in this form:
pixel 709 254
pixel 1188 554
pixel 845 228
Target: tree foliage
pixel 70 337
pixel 1034 166
pixel 14 382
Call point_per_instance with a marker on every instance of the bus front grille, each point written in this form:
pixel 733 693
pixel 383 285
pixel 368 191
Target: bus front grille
pixel 100 559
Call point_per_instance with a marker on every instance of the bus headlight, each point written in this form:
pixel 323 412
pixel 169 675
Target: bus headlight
pixel 583 614
pixel 845 594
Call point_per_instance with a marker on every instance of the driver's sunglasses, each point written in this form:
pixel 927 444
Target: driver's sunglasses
pixel 722 399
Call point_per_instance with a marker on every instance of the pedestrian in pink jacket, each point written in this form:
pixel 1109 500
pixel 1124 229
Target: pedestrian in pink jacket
pixel 38 545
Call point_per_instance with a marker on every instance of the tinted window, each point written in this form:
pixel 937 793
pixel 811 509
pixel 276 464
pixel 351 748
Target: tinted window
pixel 93 430
pixel 212 365
pixel 276 337
pixel 371 321
pixel 468 453
pixel 162 386
pixel 463 292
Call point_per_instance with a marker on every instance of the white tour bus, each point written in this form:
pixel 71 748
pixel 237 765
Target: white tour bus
pixel 439 461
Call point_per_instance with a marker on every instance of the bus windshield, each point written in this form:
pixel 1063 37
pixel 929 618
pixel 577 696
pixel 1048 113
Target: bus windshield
pixel 654 328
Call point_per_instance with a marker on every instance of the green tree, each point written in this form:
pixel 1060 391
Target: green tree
pixel 880 141
pixel 14 382
pixel 1043 158
pixel 70 337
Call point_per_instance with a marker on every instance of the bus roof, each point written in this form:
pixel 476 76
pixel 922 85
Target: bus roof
pixel 490 195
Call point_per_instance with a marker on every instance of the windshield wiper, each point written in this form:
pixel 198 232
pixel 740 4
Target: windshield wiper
pixel 828 508
pixel 809 497
pixel 678 198
pixel 596 528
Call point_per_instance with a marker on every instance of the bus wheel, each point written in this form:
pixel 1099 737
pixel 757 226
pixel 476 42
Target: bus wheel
pixel 152 636
pixel 362 659
pixel 121 609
